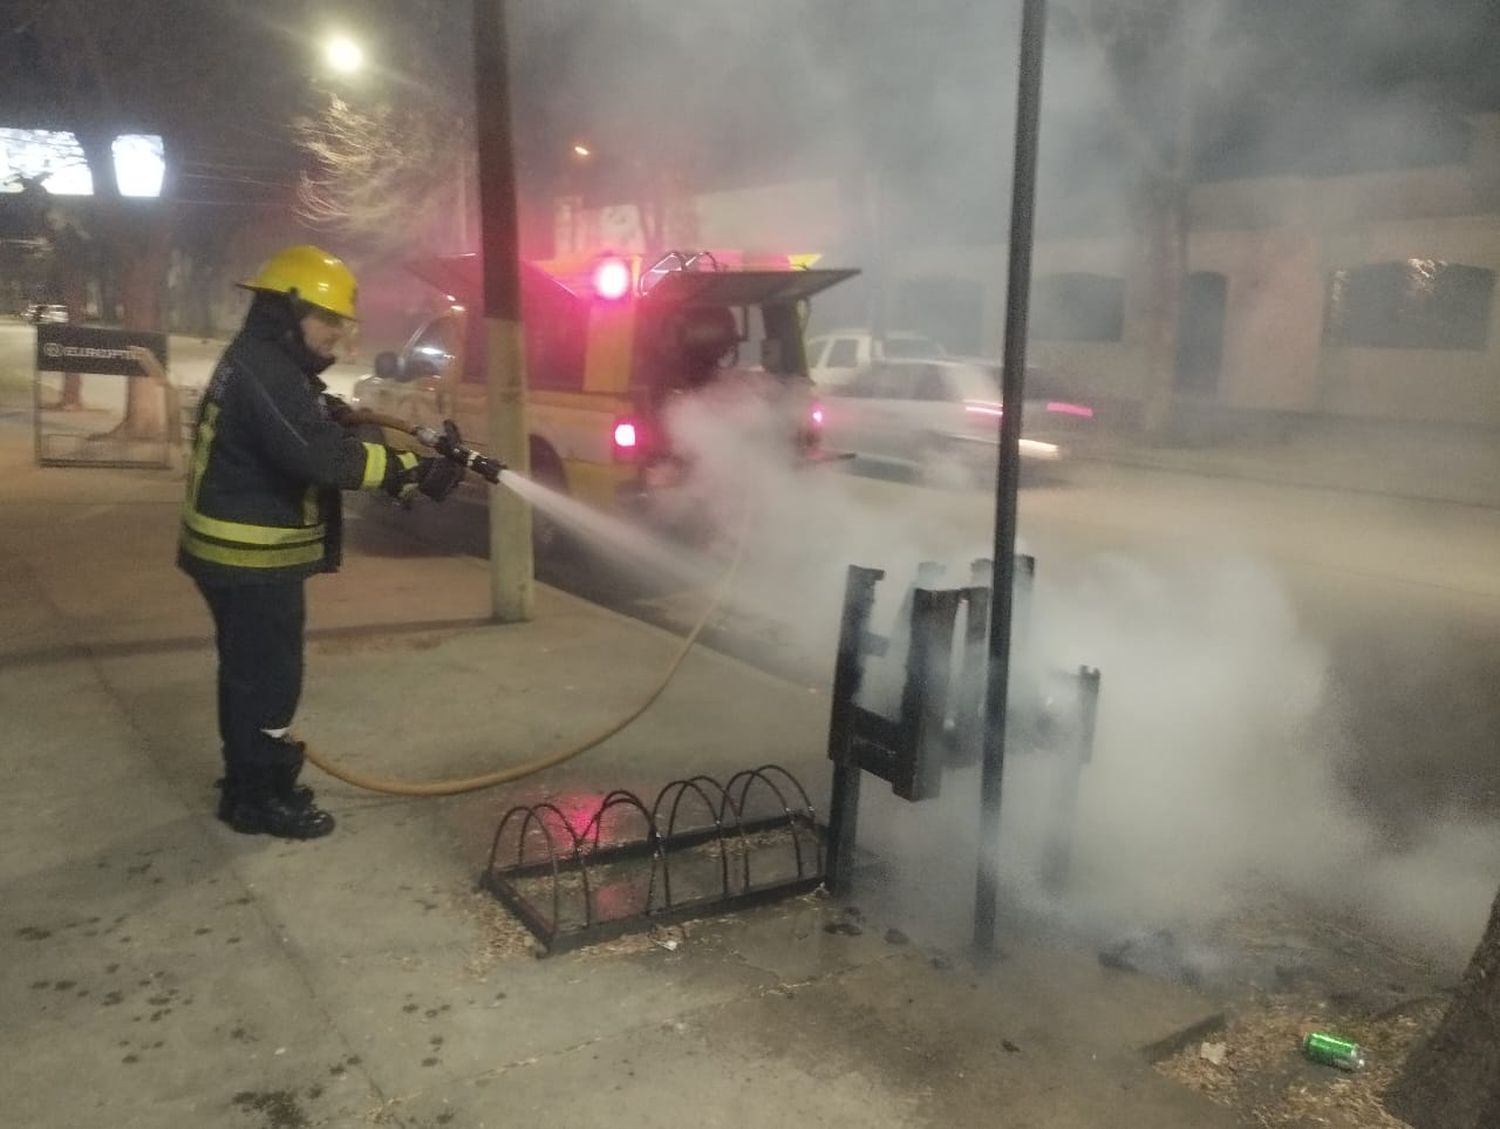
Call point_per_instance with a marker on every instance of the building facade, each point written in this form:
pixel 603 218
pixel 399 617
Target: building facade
pixel 1369 295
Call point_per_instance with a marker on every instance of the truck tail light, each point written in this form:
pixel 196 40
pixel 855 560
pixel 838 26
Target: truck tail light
pixel 816 417
pixel 612 279
pixel 1062 407
pixel 627 438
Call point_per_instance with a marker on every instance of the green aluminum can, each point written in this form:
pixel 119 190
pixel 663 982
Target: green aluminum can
pixel 1330 1050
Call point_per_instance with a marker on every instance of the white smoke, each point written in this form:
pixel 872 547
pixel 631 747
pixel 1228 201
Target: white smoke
pixel 1222 754
pixel 1215 771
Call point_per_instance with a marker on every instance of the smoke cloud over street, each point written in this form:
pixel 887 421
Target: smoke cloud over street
pixel 1222 765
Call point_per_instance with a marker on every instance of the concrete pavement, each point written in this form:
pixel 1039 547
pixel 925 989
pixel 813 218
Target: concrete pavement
pixel 163 971
pixel 1426 462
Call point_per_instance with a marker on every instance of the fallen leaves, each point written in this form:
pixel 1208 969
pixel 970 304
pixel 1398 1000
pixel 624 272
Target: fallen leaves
pixel 1256 1066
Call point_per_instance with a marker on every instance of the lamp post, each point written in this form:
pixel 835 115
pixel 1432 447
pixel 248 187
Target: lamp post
pixel 343 55
pixel 1018 301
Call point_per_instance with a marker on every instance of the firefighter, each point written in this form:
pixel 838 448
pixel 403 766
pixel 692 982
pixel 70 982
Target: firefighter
pixel 262 514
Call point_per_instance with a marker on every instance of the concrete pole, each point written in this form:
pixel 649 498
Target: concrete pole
pixel 512 590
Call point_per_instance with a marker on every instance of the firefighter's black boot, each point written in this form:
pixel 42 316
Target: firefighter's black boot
pixel 283 783
pixel 284 776
pixel 231 786
pixel 265 813
pixel 252 805
pixel 286 787
pixel 298 795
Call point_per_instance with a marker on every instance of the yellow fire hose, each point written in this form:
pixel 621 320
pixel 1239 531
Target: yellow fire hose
pixel 454 787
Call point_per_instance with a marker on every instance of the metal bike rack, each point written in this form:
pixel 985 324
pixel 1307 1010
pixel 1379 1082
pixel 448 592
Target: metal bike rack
pixel 571 888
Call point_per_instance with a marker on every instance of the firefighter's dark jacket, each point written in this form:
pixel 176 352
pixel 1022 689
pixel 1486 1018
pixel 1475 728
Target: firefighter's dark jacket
pixel 268 462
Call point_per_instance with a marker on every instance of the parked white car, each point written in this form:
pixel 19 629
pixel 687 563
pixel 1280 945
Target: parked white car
pixel 841 354
pixel 42 314
pixel 941 418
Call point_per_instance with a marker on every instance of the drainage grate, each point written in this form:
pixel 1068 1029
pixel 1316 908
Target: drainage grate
pixel 571 884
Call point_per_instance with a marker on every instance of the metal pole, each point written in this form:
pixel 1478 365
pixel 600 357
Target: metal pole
pixel 511 572
pixel 848 672
pixel 36 406
pixel 1018 295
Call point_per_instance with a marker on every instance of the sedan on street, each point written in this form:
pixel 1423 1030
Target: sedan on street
pixel 941 418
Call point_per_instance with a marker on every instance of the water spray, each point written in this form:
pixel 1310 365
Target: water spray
pixel 490 469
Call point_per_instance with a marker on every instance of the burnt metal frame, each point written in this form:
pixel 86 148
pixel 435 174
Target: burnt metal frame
pixel 969 697
pixel 902 751
pixel 899 750
pixel 905 752
pixel 503 881
pixel 1057 858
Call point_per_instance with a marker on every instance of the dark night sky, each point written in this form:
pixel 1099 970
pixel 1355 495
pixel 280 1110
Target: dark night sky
pixel 235 71
pixel 215 77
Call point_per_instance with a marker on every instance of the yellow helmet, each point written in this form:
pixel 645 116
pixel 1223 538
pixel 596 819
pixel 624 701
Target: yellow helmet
pixel 311 274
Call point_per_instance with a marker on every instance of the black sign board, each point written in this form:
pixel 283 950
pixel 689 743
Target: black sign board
pixel 74 348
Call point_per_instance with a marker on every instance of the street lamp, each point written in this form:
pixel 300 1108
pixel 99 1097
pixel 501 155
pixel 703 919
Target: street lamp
pixel 582 151
pixel 1008 469
pixel 343 55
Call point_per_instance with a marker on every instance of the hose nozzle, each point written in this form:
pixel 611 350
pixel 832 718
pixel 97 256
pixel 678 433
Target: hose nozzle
pixel 448 444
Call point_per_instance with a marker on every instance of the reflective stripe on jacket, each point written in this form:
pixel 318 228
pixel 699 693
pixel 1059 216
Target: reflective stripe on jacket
pixel 268 462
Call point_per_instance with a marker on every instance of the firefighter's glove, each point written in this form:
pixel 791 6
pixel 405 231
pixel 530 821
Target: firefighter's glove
pixel 435 477
pixel 438 480
pixel 340 411
pixel 401 475
pixel 438 477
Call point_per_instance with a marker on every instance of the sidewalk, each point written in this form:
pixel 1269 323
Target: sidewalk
pixel 1416 461
pixel 163 971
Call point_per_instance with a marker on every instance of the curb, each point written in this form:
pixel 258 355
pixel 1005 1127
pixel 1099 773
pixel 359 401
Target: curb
pixel 1165 467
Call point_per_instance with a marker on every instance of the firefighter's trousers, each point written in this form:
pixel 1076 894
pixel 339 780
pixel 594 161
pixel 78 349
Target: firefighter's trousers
pixel 258 633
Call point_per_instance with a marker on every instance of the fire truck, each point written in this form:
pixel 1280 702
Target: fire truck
pixel 611 343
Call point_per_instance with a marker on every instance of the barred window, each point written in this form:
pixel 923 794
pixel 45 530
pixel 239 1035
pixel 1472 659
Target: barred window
pixel 1410 304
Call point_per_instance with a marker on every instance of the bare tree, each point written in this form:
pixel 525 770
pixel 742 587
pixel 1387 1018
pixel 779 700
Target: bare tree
pixel 108 61
pixel 1452 1081
pixel 391 154
pixel 25 246
pixel 1154 52
pixel 108 67
pixel 67 252
pixel 389 175
pixel 392 160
